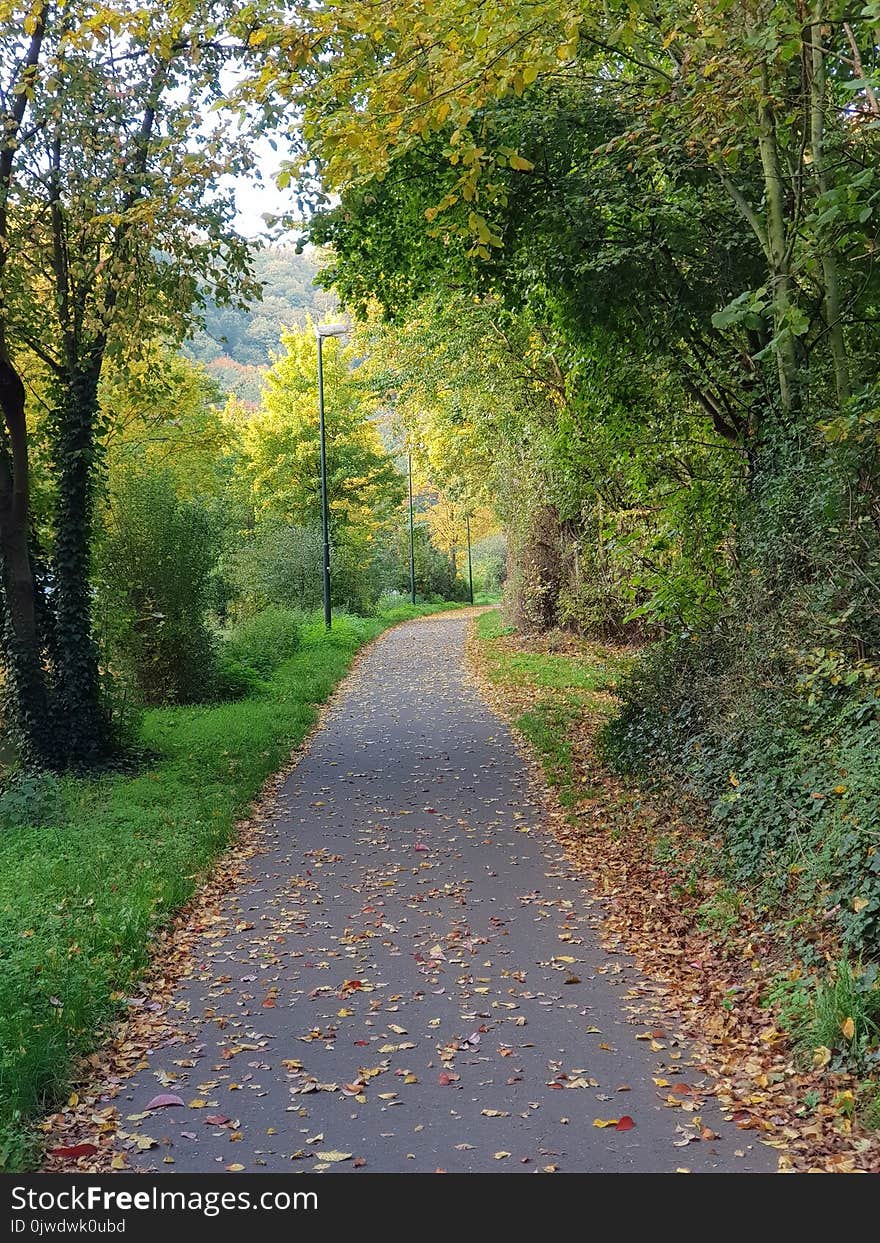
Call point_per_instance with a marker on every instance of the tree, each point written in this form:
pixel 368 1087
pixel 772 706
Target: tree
pixel 762 93
pixel 280 451
pixel 111 220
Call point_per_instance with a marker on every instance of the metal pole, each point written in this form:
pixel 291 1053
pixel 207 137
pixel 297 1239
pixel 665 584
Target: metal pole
pixel 412 544
pixel 470 566
pixel 325 517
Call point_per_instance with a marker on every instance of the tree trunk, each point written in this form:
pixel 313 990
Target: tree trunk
pixel 81 711
pixel 816 66
pixel 27 692
pixel 777 243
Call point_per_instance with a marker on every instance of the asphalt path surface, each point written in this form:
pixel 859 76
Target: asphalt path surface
pixel 411 978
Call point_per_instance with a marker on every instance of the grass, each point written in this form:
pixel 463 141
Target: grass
pixel 81 895
pixel 838 1013
pixel 564 686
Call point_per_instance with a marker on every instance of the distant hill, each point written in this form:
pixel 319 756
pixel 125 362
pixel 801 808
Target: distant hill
pixel 236 345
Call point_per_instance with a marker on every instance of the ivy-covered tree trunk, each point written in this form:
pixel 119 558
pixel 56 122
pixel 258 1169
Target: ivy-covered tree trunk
pixel 27 696
pixel 82 715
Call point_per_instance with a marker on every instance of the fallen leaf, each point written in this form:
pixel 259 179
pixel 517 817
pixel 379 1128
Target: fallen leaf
pixel 164 1101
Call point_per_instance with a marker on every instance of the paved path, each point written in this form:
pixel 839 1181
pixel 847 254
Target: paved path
pixel 412 975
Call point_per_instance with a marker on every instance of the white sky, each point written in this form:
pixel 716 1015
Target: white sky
pixel 253 198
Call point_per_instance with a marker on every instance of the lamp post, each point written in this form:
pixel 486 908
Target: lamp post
pixel 412 542
pixel 322 331
pixel 467 520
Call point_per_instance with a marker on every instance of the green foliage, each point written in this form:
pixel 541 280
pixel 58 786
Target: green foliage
pixel 250 335
pixel 34 799
pixel 276 563
pixel 819 1010
pixel 256 647
pixel 489 557
pixel 773 715
pixel 155 559
pixel 435 574
pixel 113 215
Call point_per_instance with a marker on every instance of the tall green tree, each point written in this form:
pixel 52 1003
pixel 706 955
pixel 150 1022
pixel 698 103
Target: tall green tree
pixel 112 221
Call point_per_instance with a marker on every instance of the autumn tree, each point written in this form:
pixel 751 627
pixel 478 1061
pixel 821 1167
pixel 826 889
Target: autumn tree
pixel 280 453
pixel 112 225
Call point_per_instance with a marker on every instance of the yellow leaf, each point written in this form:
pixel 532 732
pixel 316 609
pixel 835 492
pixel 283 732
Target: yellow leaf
pixel 235 1168
pixel 501 1156
pixel 821 1056
pixel 848 1028
pixel 859 904
pixel 332 1155
pixel 605 1122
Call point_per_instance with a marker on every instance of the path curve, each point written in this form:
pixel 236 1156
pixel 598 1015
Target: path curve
pixel 414 937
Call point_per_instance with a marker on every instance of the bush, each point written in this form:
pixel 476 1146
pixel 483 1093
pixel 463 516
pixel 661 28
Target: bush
pixel 279 564
pixel 154 561
pixel 255 649
pixel 773 715
pixel 34 799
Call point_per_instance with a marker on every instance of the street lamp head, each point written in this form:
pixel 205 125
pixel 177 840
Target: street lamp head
pixel 332 330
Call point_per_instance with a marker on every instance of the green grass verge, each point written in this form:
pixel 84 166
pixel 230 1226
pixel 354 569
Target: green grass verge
pixel 564 685
pixel 79 901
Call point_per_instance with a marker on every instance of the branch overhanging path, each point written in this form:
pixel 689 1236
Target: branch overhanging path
pixel 411 977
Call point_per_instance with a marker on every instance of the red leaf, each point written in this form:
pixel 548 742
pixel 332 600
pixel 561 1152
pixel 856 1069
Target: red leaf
pixel 446 1078
pixel 75 1151
pixel 216 1120
pixel 164 1101
pixel 681 1089
pixel 420 847
pixel 625 1123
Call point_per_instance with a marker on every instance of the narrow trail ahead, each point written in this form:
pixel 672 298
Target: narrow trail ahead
pixel 415 938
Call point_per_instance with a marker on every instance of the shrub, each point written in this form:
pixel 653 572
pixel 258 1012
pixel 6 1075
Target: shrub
pixel 154 562
pixel 254 650
pixel 279 564
pixel 773 715
pixel 35 800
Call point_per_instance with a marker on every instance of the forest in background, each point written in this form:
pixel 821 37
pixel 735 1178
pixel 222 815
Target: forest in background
pixel 236 344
